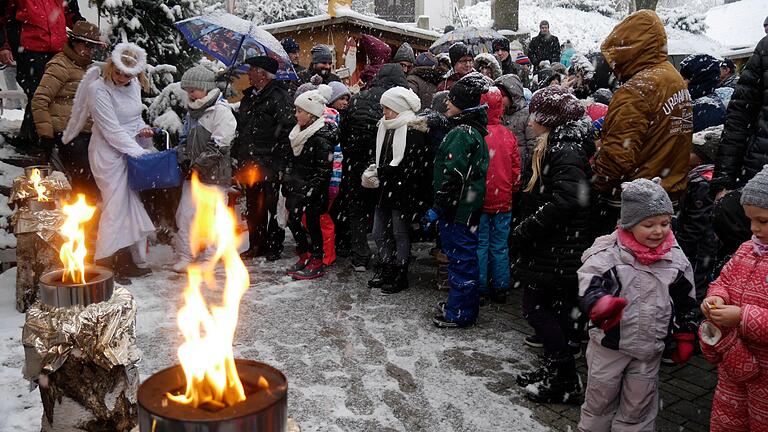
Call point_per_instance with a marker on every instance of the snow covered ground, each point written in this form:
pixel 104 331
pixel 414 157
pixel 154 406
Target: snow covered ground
pixel 355 360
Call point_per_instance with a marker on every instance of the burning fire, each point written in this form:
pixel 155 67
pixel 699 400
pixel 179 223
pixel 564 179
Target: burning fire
pixel 248 175
pixel 72 253
pixel 206 355
pixel 40 189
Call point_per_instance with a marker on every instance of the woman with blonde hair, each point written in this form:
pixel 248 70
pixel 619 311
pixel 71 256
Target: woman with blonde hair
pixel 113 101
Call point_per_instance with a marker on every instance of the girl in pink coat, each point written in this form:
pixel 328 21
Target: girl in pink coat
pixel 735 334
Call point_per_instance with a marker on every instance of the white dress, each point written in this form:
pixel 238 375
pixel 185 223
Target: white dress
pixel 116 113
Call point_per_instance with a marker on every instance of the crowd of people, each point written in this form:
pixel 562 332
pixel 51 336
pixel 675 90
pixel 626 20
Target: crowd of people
pixel 627 199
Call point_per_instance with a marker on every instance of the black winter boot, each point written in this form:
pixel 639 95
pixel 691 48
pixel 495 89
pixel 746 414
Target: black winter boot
pixel 398 282
pixel 125 266
pixel 383 273
pixel 561 385
pixel 110 263
pixel 537 374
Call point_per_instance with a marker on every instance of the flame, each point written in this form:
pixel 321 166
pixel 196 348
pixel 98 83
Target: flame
pixel 72 253
pixel 248 175
pixel 40 189
pixel 206 355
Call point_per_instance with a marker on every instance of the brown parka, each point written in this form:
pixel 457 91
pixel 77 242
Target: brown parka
pixel 649 125
pixel 52 102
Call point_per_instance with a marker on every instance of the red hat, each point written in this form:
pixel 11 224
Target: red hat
pixel 522 59
pixel 597 110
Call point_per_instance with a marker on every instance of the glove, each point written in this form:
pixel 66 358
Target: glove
pixel 684 349
pixel 607 311
pixel 429 218
pixel 370 178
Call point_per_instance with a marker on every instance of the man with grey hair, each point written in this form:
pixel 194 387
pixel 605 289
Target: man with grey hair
pixel 264 120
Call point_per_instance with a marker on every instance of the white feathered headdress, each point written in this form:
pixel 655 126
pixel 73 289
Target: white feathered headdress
pixel 129 51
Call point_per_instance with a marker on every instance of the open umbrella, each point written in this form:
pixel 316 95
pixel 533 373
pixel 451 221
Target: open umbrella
pixel 478 39
pixel 232 40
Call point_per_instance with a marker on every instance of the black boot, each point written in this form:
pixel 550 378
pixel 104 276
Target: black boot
pixel 398 282
pixel 125 266
pixel 561 385
pixel 537 374
pixel 381 275
pixel 110 263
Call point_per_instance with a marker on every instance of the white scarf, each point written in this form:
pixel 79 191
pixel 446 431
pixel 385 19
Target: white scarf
pixel 400 124
pixel 299 137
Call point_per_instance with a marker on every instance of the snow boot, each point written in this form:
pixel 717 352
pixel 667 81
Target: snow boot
pixel 300 264
pixel 181 266
pixel 384 272
pixel 313 270
pixel 398 282
pixel 561 385
pixel 125 266
pixel 533 341
pixel 109 262
pixel 536 374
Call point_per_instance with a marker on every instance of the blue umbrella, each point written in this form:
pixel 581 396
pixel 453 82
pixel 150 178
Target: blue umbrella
pixel 231 40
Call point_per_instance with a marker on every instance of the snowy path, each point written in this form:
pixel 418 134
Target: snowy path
pixel 355 360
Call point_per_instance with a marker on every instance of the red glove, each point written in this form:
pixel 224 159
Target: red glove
pixel 607 311
pixel 684 349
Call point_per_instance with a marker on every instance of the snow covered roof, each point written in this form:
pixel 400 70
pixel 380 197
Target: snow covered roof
pixel 344 14
pixel 737 26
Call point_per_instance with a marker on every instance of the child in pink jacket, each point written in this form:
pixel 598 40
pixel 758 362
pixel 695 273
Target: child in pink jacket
pixel 735 334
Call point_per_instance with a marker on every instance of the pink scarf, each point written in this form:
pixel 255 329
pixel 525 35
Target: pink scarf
pixel 644 254
pixel 760 248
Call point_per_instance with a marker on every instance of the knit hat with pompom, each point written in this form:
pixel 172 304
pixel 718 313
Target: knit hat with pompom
pixel 314 101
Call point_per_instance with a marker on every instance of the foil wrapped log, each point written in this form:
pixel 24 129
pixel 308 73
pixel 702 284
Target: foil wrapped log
pixel 85 361
pixel 23 189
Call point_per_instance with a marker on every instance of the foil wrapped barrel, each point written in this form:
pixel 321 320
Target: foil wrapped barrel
pixel 261 411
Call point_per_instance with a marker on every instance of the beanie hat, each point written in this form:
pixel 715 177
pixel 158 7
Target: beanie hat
pixel 702 72
pixel 756 191
pixel 641 199
pixel 466 92
pixel 290 45
pixel 706 149
pixel 728 64
pixel 263 62
pixel 457 51
pixel 603 96
pixel 440 102
pixel 500 44
pixel 522 59
pixel 404 53
pixel 555 106
pixel 199 77
pixel 426 59
pixel 314 101
pixel 400 99
pixel 449 28
pixel 321 54
pixel 544 22
pixel 596 110
pixel 338 89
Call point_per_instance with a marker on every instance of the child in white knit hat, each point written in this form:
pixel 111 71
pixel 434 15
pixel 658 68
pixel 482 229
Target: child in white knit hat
pixel 307 178
pixel 401 147
pixel 636 286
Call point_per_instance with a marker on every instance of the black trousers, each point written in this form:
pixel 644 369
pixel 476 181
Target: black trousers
pixel 30 67
pixel 74 157
pixel 309 239
pixel 264 234
pixel 549 311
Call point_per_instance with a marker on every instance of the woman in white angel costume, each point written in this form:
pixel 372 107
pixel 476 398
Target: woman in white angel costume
pixel 113 101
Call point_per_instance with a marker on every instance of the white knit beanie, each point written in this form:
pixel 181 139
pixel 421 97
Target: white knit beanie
pixel 314 101
pixel 400 99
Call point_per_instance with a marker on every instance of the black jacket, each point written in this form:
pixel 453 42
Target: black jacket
pixel 555 214
pixel 544 47
pixel 308 175
pixel 408 186
pixel 744 145
pixel 306 74
pixel 264 121
pixel 360 123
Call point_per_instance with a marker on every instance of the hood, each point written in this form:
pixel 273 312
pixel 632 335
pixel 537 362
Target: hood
pixel 578 131
pixel 512 85
pixel 495 105
pixel 702 72
pixel 488 60
pixel 636 43
pixel 428 74
pixel 390 75
pixel 375 49
pixel 475 117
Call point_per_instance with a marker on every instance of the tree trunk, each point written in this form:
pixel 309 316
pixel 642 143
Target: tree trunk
pixel 506 14
pixel 646 4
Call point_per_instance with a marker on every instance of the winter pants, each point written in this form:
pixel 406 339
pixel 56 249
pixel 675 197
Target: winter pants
pixel 74 157
pixel 30 67
pixel 185 214
pixel 361 205
pixel 549 310
pixel 264 234
pixel 740 407
pixel 493 251
pixel 390 231
pixel 622 392
pixel 299 206
pixel 460 245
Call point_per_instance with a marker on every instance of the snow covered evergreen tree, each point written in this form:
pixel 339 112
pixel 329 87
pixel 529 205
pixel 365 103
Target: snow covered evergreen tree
pixel 268 11
pixel 149 23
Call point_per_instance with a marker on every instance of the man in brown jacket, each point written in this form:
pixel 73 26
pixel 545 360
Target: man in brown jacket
pixel 52 106
pixel 648 128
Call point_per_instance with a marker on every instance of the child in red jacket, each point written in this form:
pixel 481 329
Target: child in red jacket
pixel 735 334
pixel 502 180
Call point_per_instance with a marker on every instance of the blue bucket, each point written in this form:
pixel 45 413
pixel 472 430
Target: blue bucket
pixel 154 171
